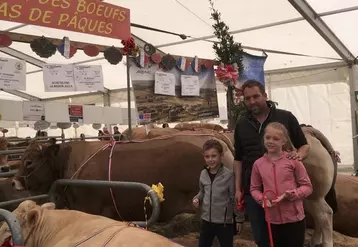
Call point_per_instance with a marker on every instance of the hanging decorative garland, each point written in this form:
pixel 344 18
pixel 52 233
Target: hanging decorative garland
pixel 129 47
pixel 195 65
pixel 156 58
pixel 113 55
pixel 66 48
pixel 5 40
pixel 229 55
pixel 43 47
pixel 183 64
pixel 149 49
pixel 142 60
pixel 91 50
pixel 168 62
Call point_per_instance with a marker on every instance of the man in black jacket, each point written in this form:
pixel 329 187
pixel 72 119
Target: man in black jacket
pixel 249 147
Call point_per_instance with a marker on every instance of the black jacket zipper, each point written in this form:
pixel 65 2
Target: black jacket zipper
pixel 211 191
pixel 211 194
pixel 225 217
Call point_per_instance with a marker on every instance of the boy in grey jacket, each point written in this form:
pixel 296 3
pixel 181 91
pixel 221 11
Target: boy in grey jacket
pixel 216 199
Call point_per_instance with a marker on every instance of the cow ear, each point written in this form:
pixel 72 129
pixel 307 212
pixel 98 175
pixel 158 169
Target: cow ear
pixel 49 206
pixel 52 150
pixel 33 217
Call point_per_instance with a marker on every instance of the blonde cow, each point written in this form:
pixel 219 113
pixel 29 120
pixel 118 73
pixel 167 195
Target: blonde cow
pixel 321 165
pixel 43 226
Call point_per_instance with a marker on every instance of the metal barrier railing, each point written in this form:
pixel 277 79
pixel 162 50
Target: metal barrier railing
pixel 21 150
pixel 14 226
pixel 97 183
pixel 31 139
pixel 14 151
pixel 8 174
pixel 59 138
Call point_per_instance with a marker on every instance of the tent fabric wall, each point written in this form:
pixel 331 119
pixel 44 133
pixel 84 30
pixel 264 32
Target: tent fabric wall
pixel 320 98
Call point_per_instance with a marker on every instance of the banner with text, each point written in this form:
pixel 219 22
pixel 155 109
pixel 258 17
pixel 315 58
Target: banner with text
pixel 173 106
pixel 83 16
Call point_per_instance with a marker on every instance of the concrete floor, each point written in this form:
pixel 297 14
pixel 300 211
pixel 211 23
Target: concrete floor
pixel 345 169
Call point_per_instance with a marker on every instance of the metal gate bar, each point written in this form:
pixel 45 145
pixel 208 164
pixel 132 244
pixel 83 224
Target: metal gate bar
pixel 8 174
pixel 18 201
pixel 97 183
pixel 112 184
pixel 14 226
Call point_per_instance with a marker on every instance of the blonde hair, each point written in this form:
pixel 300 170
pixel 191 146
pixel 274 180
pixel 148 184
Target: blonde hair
pixel 288 146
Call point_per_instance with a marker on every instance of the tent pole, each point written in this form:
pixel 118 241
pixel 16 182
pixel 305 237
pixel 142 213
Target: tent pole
pixel 353 87
pixel 129 99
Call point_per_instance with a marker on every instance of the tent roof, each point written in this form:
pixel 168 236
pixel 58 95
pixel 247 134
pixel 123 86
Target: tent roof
pixel 272 26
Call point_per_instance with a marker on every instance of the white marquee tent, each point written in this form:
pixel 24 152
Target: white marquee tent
pixel 311 47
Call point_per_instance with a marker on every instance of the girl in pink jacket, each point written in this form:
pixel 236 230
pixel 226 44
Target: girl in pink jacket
pixel 283 184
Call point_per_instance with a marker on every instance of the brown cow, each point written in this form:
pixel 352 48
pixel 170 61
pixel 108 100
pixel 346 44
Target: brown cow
pixel 46 227
pixel 8 192
pixel 153 133
pixel 193 126
pixel 175 161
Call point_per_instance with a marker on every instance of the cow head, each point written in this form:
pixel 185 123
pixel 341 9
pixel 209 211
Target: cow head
pixel 28 214
pixel 38 168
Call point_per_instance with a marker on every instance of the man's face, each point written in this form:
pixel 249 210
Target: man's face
pixel 255 100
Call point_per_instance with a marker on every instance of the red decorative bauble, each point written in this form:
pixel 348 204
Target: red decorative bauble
pixel 5 40
pixel 208 64
pixel 91 50
pixel 156 58
pixel 73 50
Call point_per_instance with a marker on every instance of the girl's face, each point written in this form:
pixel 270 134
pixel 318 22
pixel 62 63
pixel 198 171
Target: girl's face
pixel 212 158
pixel 274 140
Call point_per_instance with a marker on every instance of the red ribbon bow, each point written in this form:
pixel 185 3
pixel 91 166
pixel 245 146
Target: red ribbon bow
pixel 227 74
pixel 129 46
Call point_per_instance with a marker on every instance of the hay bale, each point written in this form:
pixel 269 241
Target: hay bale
pixel 180 225
pixel 184 229
pixel 245 239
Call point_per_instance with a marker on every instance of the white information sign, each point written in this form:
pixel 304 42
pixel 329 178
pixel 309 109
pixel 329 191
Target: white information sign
pixel 12 74
pixel 88 77
pixel 58 78
pixel 164 83
pixel 33 110
pixel 190 85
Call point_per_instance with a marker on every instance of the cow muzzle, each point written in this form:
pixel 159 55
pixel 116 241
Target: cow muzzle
pixel 17 184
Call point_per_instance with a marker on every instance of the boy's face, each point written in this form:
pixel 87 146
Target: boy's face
pixel 212 158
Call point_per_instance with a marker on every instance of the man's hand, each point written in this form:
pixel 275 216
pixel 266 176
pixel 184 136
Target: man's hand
pixel 335 155
pixel 196 203
pixel 239 227
pixel 294 156
pixel 238 195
